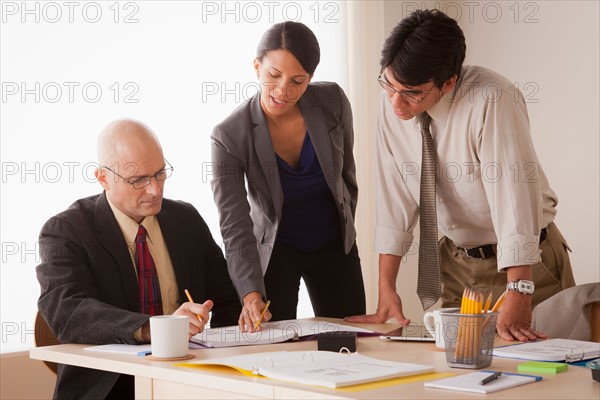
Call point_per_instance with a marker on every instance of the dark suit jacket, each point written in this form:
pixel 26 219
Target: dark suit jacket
pixel 89 289
pixel 242 151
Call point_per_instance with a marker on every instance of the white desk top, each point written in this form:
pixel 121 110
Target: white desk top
pixel 576 382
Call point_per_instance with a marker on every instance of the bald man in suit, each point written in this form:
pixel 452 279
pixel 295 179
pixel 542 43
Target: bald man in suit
pixel 90 291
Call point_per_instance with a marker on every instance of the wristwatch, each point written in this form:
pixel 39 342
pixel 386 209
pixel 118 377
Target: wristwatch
pixel 521 286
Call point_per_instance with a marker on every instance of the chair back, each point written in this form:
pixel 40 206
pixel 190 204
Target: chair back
pixel 44 337
pixel 573 313
pixel 596 321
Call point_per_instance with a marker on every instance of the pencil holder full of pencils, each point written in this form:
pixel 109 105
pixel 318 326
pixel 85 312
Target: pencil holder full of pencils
pixel 469 339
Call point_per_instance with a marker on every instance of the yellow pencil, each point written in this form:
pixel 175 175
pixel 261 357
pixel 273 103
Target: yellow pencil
pixel 262 314
pixel 499 301
pixel 189 296
pixel 463 303
pixel 488 302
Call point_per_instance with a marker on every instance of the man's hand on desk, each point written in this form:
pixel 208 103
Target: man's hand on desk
pixel 389 306
pixel 514 319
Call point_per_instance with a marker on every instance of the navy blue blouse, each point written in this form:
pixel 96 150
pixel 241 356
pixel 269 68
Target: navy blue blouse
pixel 309 218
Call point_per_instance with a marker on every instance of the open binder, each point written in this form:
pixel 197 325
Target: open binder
pixel 271 332
pixel 318 368
pixel 568 350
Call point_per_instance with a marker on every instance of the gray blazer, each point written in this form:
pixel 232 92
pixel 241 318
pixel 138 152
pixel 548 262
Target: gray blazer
pixel 246 184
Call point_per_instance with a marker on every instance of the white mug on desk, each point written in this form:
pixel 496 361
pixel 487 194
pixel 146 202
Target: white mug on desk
pixel 433 323
pixel 169 336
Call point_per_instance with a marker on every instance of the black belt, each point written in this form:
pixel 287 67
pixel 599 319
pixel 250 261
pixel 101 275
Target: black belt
pixel 487 250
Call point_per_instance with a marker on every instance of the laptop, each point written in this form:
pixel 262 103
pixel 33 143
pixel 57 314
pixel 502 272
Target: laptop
pixel 409 333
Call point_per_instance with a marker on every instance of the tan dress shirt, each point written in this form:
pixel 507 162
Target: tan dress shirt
pixel 490 185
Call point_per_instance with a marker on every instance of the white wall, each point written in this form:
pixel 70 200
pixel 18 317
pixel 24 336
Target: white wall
pixel 69 68
pixel 551 50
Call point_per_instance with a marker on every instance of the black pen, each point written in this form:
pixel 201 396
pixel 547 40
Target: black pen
pixel 490 378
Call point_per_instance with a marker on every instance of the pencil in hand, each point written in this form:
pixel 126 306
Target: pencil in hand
pixel 262 314
pixel 189 296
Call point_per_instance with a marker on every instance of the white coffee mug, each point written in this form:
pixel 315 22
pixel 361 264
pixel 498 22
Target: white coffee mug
pixel 169 336
pixel 433 323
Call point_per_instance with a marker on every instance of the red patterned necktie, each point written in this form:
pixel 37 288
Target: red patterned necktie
pixel 150 300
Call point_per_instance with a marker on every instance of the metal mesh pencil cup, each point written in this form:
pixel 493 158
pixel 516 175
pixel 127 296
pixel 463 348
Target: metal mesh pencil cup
pixel 469 339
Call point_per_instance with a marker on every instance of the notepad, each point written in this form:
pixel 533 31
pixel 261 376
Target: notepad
pixel 318 368
pixel 551 350
pixel 470 382
pixel 271 332
pixel 542 367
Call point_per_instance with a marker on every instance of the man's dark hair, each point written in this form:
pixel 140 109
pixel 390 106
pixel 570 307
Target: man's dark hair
pixel 427 45
pixel 294 37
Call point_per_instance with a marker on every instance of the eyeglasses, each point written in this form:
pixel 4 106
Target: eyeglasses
pixel 409 97
pixel 144 181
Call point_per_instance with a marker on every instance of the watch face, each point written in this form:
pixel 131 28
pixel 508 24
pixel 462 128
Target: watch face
pixel 525 287
pixel 521 286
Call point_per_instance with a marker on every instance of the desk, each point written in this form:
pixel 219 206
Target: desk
pixel 163 380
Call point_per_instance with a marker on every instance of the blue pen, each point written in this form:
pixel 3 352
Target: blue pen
pixel 490 378
pixel 536 377
pixel 144 353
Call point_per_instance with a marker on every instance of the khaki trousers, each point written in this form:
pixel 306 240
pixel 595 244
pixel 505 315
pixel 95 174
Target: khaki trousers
pixel 458 270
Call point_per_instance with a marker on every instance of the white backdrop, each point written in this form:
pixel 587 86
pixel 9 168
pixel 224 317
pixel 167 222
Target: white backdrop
pixel 69 68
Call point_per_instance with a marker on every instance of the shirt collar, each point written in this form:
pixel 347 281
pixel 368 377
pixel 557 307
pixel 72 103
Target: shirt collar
pixel 129 227
pixel 440 111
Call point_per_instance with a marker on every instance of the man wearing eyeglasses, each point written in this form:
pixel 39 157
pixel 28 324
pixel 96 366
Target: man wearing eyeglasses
pixel 111 261
pixel 495 208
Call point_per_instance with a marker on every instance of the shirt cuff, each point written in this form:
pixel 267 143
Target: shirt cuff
pixel 137 335
pixel 518 250
pixel 394 242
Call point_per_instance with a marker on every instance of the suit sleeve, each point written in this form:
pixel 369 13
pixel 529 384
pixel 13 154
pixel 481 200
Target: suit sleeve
pixel 69 299
pixel 229 191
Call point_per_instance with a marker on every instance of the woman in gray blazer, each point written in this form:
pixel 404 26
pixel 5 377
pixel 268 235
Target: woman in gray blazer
pixel 285 186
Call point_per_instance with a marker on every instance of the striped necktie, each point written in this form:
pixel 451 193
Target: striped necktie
pixel 150 299
pixel 428 286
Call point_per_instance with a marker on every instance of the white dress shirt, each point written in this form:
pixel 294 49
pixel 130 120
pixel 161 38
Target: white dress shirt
pixel 490 185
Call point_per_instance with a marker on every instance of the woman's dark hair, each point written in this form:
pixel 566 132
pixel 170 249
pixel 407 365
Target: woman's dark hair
pixel 294 37
pixel 426 45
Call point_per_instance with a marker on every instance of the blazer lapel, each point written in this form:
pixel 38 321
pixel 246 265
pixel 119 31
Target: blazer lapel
pixel 265 153
pixel 111 238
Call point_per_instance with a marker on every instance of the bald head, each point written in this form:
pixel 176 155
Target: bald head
pixel 128 151
pixel 124 140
